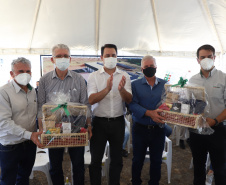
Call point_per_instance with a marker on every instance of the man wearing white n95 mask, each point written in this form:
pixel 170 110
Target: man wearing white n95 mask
pixel 214 82
pixel 62 79
pixel 108 90
pixel 18 136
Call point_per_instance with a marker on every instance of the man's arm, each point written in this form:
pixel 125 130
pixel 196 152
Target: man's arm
pixel 6 122
pixel 126 96
pixel 84 100
pixel 41 101
pixel 98 96
pixel 221 117
pixel 140 111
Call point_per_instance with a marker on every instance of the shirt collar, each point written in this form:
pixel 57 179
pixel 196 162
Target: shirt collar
pixel 55 74
pixel 144 80
pixel 212 72
pixel 18 88
pixel 103 71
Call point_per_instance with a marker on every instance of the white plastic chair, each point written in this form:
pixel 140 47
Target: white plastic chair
pixel 207 162
pixel 166 157
pixel 42 164
pixel 176 133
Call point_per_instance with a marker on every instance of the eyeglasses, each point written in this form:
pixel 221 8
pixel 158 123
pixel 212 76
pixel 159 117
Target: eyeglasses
pixel 62 56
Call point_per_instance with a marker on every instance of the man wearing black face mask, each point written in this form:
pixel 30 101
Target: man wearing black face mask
pixel 146 130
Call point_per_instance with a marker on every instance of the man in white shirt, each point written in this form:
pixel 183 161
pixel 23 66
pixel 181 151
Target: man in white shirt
pixel 18 136
pixel 108 90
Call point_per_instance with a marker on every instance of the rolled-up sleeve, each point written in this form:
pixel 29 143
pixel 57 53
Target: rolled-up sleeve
pixel 91 84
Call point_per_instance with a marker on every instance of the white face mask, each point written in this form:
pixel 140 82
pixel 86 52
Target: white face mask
pixel 23 78
pixel 206 63
pixel 110 62
pixel 62 63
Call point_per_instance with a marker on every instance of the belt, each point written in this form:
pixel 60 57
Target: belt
pixel 147 126
pixel 220 124
pixel 110 119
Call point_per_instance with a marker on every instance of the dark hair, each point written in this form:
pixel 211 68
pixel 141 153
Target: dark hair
pixel 108 46
pixel 205 47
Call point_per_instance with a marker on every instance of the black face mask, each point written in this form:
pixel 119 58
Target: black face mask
pixel 149 71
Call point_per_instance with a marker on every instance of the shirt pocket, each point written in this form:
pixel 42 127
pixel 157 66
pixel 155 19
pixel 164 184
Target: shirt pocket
pixel 218 92
pixel 32 108
pixel 75 95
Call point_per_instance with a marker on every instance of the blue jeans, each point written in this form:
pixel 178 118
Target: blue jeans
pixel 168 130
pixel 77 160
pixel 16 162
pixel 126 137
pixel 143 138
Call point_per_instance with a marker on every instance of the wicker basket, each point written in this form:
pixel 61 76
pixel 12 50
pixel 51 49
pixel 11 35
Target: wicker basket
pixel 64 140
pixel 55 140
pixel 186 120
pixel 172 96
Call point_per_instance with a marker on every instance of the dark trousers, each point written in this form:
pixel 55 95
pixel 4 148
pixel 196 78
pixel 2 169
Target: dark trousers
pixel 77 160
pixel 214 144
pixel 143 138
pixel 112 131
pixel 16 162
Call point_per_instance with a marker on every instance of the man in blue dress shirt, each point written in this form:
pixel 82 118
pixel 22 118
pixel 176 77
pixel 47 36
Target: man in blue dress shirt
pixel 146 120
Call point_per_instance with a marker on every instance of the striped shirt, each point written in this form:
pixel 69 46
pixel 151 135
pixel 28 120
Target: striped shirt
pixel 215 86
pixel 73 83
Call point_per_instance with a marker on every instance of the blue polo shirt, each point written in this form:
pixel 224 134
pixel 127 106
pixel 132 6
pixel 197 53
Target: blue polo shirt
pixel 145 98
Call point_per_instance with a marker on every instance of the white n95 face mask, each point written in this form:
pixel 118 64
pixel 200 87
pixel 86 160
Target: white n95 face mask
pixel 206 63
pixel 62 63
pixel 23 78
pixel 110 62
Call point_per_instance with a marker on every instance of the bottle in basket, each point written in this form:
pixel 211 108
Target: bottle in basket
pixel 67 182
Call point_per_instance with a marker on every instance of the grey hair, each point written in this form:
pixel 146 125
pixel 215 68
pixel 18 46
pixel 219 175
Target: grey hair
pixel 20 60
pixel 148 57
pixel 60 46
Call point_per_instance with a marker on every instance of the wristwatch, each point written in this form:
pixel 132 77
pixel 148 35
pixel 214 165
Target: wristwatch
pixel 217 123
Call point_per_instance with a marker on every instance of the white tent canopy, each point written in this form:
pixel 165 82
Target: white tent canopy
pixel 158 27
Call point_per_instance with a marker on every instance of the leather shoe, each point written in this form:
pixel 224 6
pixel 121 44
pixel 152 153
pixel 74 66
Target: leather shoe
pixel 124 153
pixel 182 146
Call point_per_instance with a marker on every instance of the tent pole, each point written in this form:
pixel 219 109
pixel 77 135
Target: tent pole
pixel 210 18
pixel 97 25
pixel 156 24
pixel 34 23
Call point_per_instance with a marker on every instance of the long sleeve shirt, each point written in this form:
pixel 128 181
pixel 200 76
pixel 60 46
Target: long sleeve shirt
pixel 18 111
